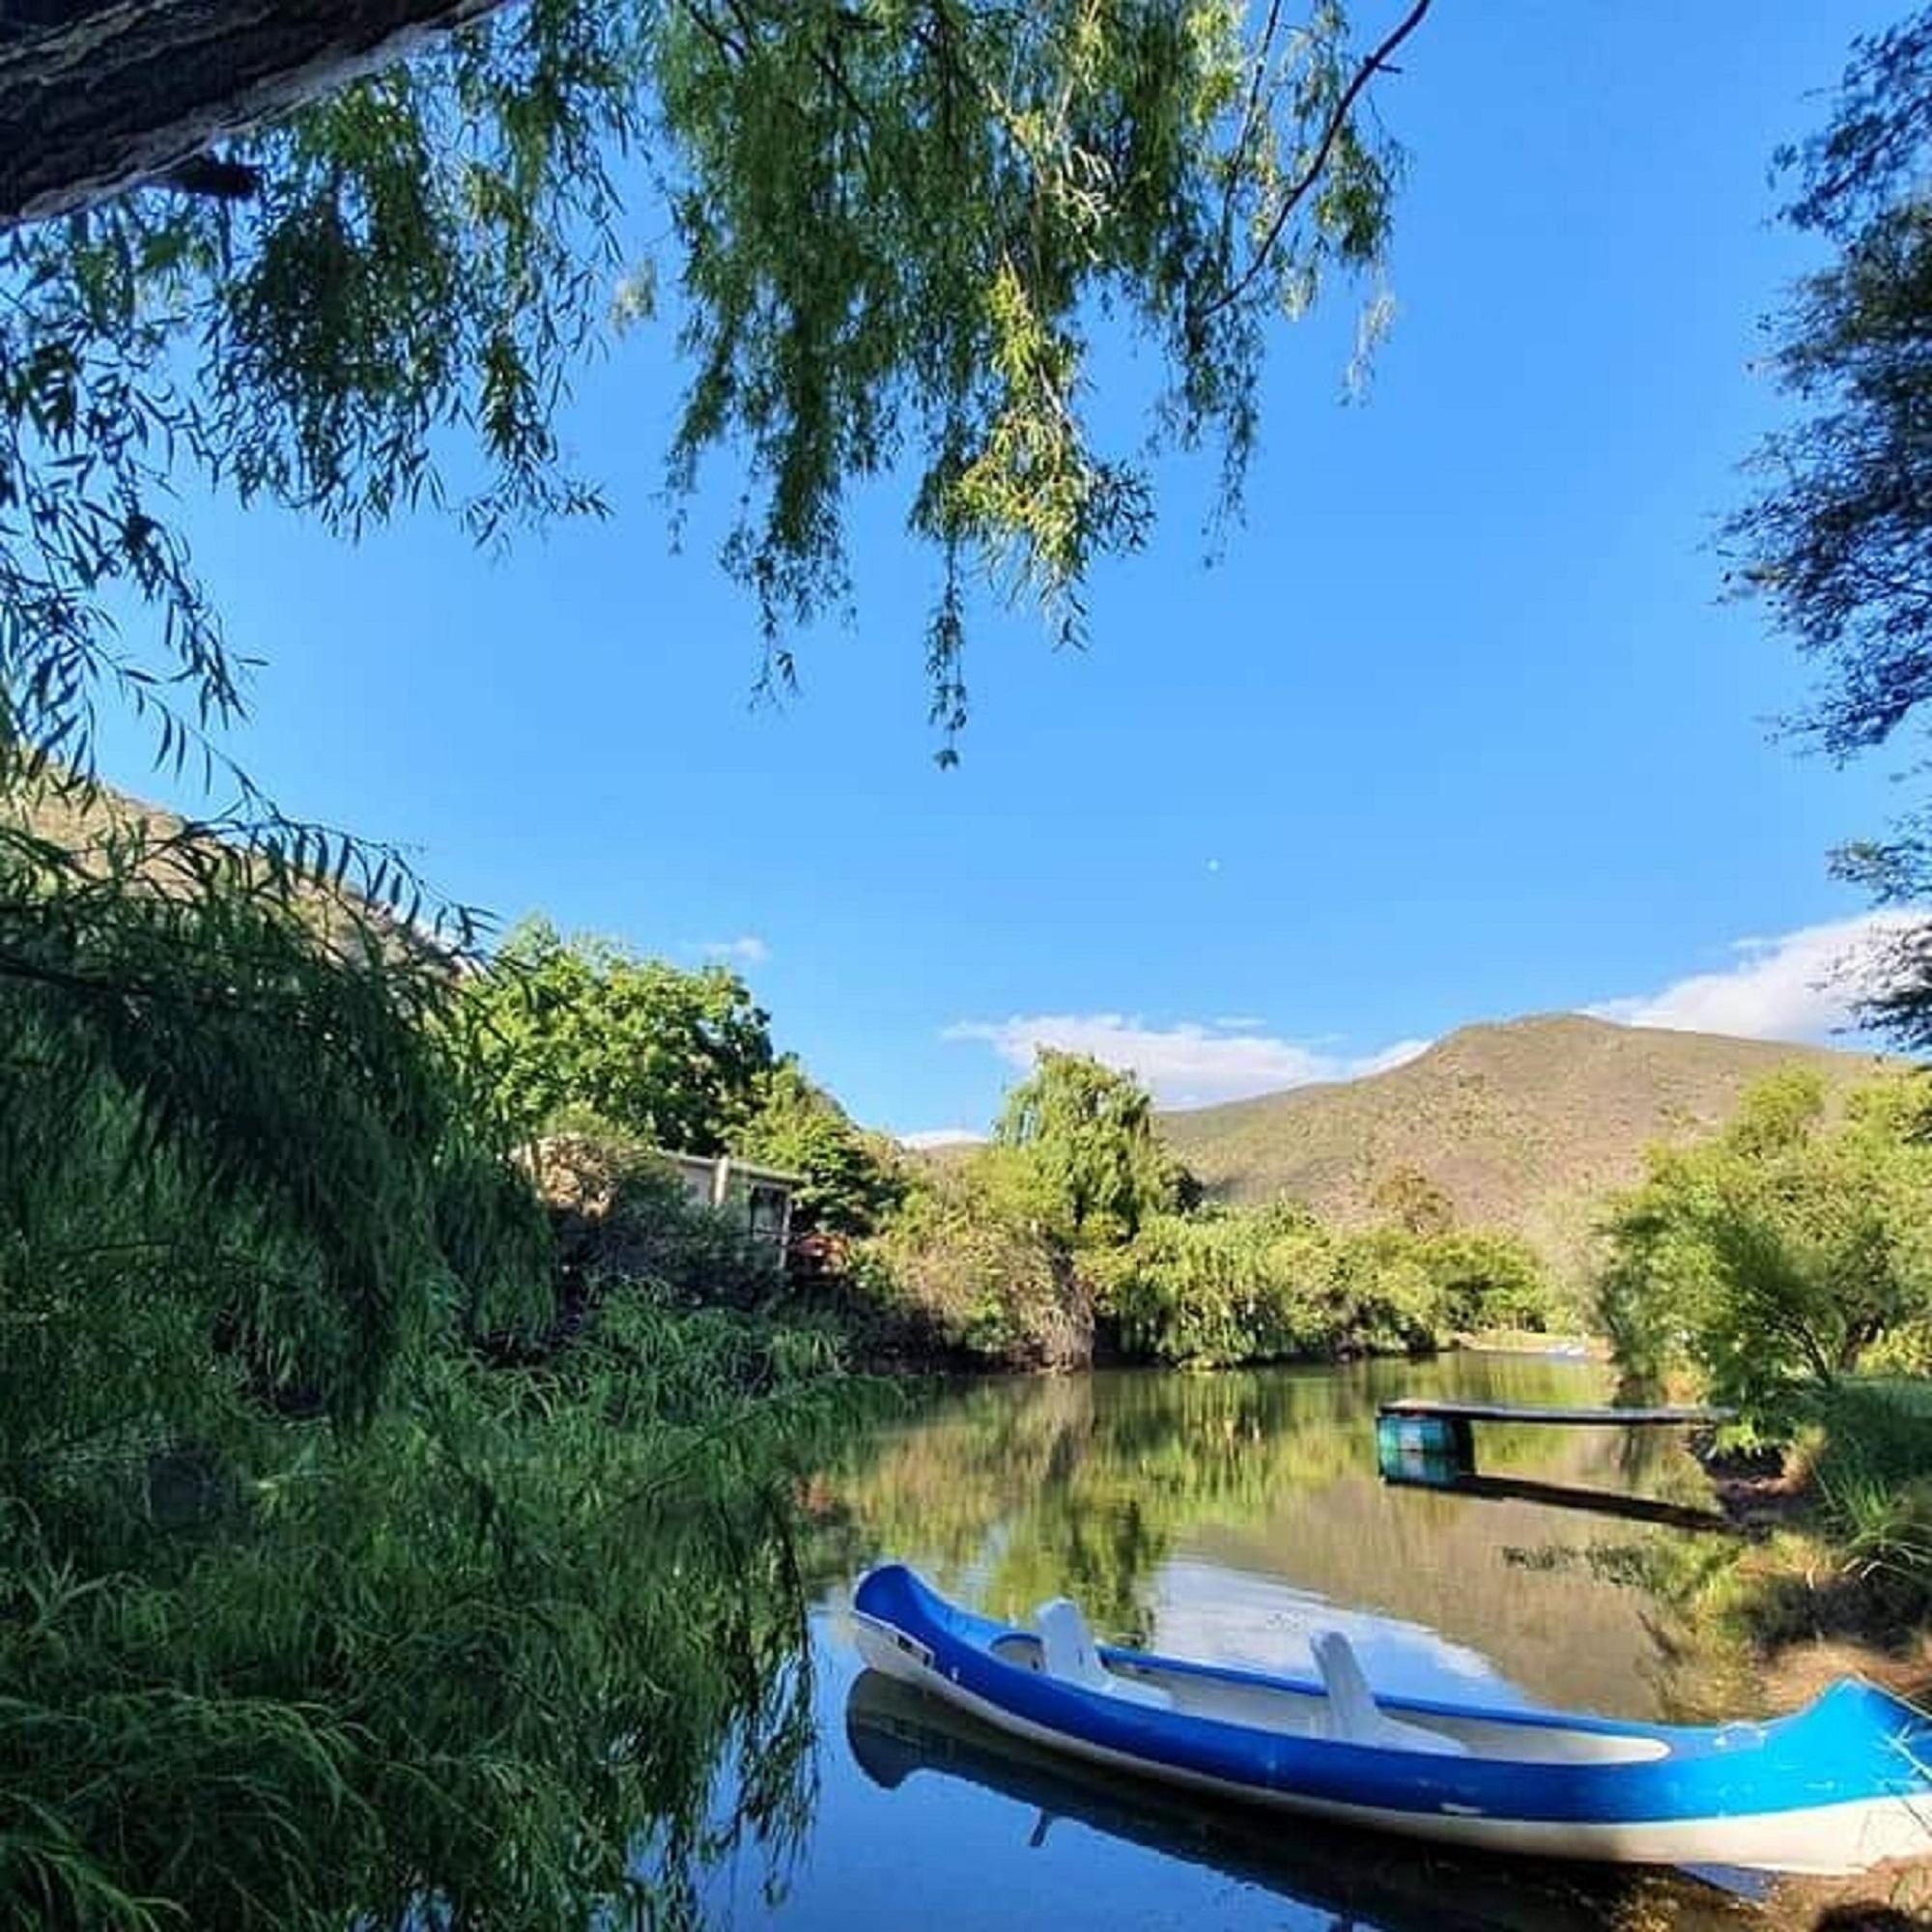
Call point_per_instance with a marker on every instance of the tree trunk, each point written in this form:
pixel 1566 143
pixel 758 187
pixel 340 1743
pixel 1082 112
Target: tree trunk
pixel 98 96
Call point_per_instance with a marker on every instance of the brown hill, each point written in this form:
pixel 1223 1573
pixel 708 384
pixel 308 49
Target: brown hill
pixel 347 889
pixel 1525 1126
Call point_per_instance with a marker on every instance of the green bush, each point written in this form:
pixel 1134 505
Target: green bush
pixel 1224 1287
pixel 621 1215
pixel 978 1256
pixel 1782 1256
pixel 1491 1280
pixel 849 1180
pixel 1217 1290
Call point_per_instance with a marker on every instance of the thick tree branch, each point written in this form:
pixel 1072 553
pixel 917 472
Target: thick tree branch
pixel 117 93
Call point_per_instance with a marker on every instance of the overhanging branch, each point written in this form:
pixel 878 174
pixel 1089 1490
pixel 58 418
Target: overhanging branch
pixel 1298 190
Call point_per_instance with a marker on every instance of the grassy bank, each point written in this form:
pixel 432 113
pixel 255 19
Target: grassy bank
pixel 1838 1554
pixel 1833 1579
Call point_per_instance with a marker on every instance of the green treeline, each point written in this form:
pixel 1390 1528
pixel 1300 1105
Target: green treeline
pixel 1077 1232
pixel 1074 1235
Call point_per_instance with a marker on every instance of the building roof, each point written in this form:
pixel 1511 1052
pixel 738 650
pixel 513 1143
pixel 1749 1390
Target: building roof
pixel 751 1170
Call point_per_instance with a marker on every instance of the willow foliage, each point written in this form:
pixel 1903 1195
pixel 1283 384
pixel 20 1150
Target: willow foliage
pixel 891 229
pixel 484 1663
pixel 1228 1287
pixel 1089 1133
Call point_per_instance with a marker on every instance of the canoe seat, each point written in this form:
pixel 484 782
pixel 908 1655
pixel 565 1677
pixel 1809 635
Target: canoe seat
pixel 1068 1651
pixel 1354 1715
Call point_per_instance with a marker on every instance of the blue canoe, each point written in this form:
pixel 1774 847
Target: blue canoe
pixel 1837 1787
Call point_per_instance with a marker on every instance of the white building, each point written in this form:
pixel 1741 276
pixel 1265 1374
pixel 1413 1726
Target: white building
pixel 759 1198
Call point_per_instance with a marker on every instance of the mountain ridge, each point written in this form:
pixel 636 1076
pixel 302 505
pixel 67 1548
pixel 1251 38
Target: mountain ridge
pixel 1526 1124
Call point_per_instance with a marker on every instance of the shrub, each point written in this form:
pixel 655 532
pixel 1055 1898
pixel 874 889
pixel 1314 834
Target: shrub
pixel 1490 1280
pixel 1782 1256
pixel 849 1180
pixel 977 1256
pixel 622 1214
pixel 1222 1287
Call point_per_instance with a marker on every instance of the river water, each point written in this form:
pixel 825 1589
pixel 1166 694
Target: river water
pixel 1229 1517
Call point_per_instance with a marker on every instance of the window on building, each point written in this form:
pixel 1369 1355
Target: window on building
pixel 767 1213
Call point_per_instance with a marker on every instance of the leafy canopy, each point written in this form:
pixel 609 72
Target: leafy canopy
pixel 1778 1257
pixel 892 230
pixel 849 1178
pixel 585 1027
pixel 248 1045
pixel 1089 1132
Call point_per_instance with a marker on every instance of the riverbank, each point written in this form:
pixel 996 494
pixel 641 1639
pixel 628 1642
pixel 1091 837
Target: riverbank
pixel 1838 1528
pixel 1822 1579
pixel 907 1343
pixel 1783 1625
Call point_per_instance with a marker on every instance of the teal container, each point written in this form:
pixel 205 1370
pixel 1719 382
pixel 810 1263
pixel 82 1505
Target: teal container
pixel 1432 1449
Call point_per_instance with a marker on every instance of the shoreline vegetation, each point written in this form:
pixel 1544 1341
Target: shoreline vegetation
pixel 363 1359
pixel 1784 1267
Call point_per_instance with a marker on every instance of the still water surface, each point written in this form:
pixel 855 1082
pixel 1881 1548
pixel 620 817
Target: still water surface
pixel 1229 1517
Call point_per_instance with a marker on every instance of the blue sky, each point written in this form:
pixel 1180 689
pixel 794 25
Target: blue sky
pixel 1454 729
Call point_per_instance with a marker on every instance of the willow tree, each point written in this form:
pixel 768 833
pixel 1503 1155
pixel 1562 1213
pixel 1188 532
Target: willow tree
pixel 316 1571
pixel 1090 1133
pixel 381 246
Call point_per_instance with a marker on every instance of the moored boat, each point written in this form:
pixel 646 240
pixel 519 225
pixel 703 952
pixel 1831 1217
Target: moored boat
pixel 1837 1787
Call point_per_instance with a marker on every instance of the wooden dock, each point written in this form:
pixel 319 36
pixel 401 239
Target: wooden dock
pixel 1568 1418
pixel 1413 1430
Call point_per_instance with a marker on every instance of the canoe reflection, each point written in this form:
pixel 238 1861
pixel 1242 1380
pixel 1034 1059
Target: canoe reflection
pixel 1360 1880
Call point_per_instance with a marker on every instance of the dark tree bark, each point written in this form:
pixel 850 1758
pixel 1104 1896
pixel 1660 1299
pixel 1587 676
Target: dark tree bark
pixel 100 95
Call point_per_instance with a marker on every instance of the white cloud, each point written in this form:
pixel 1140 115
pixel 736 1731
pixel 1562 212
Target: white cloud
pixel 937 1137
pixel 1187 1064
pixel 747 950
pixel 1799 985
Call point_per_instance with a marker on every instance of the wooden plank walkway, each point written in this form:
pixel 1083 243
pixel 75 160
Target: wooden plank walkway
pixel 1579 1419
